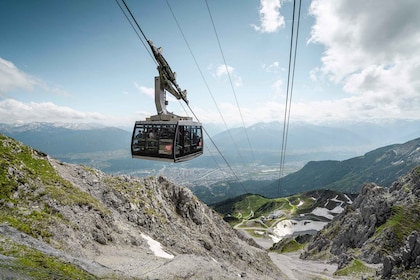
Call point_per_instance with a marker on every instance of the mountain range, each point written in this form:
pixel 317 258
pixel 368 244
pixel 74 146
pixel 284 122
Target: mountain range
pixel 382 166
pixel 108 148
pixel 68 221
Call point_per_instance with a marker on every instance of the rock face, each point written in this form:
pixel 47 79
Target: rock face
pixel 382 226
pixel 119 226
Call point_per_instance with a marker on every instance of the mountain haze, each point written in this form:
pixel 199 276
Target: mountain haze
pixel 309 142
pixel 108 148
pixel 381 166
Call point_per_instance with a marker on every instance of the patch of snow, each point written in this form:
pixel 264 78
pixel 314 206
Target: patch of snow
pixel 349 201
pixel 289 227
pixel 156 247
pixel 300 203
pixel 335 199
pixel 337 210
pixel 275 214
pixel 322 212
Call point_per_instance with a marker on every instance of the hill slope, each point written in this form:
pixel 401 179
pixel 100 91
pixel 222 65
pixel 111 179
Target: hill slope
pixel 382 166
pixel 381 226
pixel 71 221
pixel 270 220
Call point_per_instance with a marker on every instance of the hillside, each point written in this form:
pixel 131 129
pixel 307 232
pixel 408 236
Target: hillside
pixel 105 148
pixel 270 220
pixel 68 221
pixel 108 148
pixel 382 166
pixel 382 226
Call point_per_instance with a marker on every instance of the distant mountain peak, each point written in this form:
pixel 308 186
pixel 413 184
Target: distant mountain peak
pixel 21 127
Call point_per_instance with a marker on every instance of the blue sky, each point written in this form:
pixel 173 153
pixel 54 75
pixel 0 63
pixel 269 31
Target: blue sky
pixel 81 61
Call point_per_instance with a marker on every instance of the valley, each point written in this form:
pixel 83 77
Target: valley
pixel 270 220
pixel 192 177
pixel 287 228
pixel 334 157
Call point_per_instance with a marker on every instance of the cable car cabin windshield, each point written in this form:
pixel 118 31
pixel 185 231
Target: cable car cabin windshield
pixel 172 141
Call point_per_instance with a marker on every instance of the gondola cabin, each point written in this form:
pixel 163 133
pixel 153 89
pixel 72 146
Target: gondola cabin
pixel 166 136
pixel 172 141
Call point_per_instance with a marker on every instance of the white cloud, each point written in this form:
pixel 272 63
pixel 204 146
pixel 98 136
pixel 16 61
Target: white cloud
pixel 277 88
pixel 223 70
pixel 12 78
pixel 371 49
pixel 13 111
pixel 272 68
pixel 145 90
pixel 226 70
pixel 270 18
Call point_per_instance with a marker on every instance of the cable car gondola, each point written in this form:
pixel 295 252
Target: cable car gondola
pixel 167 140
pixel 166 136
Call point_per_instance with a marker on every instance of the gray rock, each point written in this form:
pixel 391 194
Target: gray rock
pixel 369 229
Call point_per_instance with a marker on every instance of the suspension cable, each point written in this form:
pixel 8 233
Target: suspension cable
pixel 290 83
pixel 230 80
pixel 215 103
pixel 205 82
pixel 135 30
pixel 138 26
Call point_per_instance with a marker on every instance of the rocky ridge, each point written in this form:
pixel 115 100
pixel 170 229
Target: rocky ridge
pixel 381 227
pixel 116 226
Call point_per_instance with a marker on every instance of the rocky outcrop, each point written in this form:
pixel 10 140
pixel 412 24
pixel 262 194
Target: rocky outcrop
pixel 381 226
pixel 407 257
pixel 119 226
pixel 171 215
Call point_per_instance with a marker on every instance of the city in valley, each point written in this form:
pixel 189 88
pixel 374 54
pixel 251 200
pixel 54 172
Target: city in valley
pixel 189 177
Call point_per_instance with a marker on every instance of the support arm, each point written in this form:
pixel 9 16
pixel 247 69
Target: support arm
pixel 167 79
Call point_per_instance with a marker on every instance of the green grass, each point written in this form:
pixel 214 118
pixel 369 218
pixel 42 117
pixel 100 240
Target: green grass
pixel 28 181
pixel 356 267
pixel 287 246
pixel 37 265
pixel 248 203
pixel 403 221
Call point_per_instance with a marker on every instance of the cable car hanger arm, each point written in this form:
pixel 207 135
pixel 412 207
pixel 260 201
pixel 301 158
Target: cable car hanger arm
pixel 167 76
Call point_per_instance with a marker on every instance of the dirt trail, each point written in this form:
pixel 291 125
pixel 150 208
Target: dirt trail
pixel 298 269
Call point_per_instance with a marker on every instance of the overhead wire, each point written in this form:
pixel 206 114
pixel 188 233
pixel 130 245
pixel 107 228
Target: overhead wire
pixel 135 30
pixel 205 82
pixel 144 36
pixel 215 103
pixel 230 80
pixel 289 93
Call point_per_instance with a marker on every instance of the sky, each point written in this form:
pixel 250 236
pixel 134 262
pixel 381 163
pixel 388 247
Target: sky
pixel 81 61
